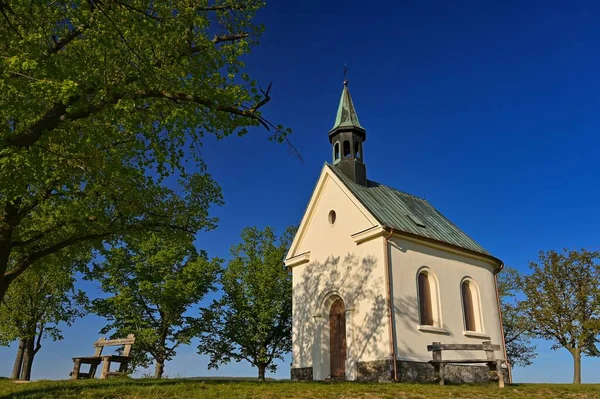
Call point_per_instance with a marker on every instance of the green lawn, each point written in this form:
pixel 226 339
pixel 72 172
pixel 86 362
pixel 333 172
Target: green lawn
pixel 182 388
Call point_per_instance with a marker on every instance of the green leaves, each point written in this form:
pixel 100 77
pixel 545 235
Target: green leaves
pixel 153 283
pixel 43 297
pixel 103 107
pixel 519 350
pixel 252 320
pixel 563 301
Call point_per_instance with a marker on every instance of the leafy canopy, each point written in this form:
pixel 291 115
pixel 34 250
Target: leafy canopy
pixel 563 301
pixel 103 109
pixel 43 298
pixel 519 349
pixel 252 321
pixel 152 284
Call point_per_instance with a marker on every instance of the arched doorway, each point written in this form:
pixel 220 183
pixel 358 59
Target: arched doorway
pixel 337 339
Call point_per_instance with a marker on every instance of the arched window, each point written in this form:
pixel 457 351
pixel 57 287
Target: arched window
pixel 425 300
pixel 336 151
pixel 347 153
pixel 357 151
pixel 470 304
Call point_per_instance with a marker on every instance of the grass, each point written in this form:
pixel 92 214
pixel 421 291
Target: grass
pixel 189 388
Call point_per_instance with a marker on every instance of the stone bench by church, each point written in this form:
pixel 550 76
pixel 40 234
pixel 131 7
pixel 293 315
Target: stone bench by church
pixel 438 363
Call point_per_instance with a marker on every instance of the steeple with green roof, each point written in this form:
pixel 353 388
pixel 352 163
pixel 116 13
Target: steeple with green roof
pixel 347 137
pixel 346 114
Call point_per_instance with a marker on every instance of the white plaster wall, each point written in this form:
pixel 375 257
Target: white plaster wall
pixel 406 259
pixel 338 266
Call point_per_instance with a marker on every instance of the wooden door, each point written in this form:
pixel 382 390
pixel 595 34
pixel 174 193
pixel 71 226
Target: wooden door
pixel 337 339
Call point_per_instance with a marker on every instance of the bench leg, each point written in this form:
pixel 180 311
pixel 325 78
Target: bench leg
pixel 93 368
pixel 500 374
pixel 123 367
pixel 441 372
pixel 76 367
pixel 105 369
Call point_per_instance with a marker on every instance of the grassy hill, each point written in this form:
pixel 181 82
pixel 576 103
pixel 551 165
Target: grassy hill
pixel 193 388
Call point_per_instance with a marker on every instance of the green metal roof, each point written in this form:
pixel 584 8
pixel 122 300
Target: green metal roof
pixel 346 114
pixel 407 213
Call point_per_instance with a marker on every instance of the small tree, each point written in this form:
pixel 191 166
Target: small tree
pixel 563 302
pixel 252 321
pixel 152 283
pixel 519 349
pixel 35 305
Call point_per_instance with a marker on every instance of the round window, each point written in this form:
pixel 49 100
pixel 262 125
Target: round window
pixel 332 217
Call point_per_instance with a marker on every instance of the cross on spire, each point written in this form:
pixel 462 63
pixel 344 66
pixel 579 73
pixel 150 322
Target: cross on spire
pixel 345 74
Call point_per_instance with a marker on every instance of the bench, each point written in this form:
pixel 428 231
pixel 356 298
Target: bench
pixel 106 360
pixel 495 365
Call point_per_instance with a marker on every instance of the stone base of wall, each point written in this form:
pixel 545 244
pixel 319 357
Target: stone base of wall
pixel 375 371
pixel 302 373
pixel 453 373
pixel 382 371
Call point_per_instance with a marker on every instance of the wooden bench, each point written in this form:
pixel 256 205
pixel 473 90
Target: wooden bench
pixel 495 365
pixel 106 360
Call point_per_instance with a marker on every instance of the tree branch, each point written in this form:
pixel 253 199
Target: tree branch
pixel 223 8
pixel 4 7
pixel 132 8
pixel 13 273
pixel 58 113
pixel 38 344
pixel 185 97
pixel 59 45
pixel 229 38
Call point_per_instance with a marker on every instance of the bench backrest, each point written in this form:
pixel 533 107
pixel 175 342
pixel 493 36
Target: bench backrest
pixel 125 342
pixel 487 346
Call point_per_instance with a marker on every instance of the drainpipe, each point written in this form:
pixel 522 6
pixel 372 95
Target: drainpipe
pixel 508 365
pixel 389 302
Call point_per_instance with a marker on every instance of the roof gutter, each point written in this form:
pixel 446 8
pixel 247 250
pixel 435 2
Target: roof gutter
pixel 508 365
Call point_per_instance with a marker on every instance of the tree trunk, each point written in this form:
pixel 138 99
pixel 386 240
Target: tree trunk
pixel 3 288
pixel 18 360
pixel 159 368
pixel 6 230
pixel 261 371
pixel 28 359
pixel 576 352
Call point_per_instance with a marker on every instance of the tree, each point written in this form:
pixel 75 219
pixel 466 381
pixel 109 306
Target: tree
pixel 36 304
pixel 152 283
pixel 519 349
pixel 252 320
pixel 563 302
pixel 104 102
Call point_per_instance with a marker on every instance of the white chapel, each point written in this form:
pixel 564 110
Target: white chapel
pixel 379 274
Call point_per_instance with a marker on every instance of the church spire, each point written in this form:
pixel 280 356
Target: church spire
pixel 346 114
pixel 347 137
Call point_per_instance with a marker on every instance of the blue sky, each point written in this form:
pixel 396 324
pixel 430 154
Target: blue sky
pixel 487 109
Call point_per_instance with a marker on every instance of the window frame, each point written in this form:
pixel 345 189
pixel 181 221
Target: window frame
pixel 434 293
pixel 476 309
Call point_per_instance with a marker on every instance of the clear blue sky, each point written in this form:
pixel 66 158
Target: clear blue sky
pixel 490 111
